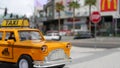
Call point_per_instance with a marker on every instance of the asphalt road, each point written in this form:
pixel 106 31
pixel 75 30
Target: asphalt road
pixel 97 45
pixel 6 65
pixel 99 42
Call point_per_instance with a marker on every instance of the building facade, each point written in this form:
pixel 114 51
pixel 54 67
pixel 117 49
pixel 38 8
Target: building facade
pixel 108 26
pixel 109 10
pixel 66 16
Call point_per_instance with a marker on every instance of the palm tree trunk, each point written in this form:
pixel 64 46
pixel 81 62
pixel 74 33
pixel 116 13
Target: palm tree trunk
pixel 89 18
pixel 59 26
pixel 73 20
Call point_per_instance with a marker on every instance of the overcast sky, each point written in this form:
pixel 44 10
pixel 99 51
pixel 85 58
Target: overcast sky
pixel 20 7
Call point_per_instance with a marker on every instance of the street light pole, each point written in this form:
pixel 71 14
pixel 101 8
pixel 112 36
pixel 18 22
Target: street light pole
pixel 116 27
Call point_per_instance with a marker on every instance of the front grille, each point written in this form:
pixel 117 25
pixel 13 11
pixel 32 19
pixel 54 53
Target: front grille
pixel 57 54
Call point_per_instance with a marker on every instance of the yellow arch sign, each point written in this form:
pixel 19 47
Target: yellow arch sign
pixel 109 5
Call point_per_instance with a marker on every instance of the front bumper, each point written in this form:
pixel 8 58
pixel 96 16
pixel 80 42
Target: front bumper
pixel 44 64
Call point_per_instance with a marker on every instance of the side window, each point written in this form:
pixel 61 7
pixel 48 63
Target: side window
pixel 22 36
pixel 29 35
pixel 10 35
pixel 1 33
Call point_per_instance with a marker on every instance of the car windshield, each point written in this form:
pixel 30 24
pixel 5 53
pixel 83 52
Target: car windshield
pixel 29 35
pixel 52 34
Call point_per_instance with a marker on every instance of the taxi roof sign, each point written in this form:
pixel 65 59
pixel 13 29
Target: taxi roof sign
pixel 15 23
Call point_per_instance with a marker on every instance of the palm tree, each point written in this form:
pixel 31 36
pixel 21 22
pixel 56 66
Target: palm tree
pixel 90 3
pixel 74 5
pixel 59 7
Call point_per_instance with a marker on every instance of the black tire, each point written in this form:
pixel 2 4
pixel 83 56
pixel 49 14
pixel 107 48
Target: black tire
pixel 27 59
pixel 60 66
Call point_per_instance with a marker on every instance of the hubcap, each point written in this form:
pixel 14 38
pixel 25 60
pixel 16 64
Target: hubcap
pixel 23 63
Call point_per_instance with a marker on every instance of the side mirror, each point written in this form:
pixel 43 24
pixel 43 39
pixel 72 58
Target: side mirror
pixel 11 42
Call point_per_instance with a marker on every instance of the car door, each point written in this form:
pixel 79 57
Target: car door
pixel 6 49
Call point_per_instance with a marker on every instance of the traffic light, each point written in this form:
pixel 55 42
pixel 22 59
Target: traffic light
pixel 11 15
pixel 5 13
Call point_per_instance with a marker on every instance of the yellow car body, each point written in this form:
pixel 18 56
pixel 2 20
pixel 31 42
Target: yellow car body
pixel 42 53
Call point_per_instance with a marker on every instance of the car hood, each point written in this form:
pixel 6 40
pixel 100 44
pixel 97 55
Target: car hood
pixel 51 43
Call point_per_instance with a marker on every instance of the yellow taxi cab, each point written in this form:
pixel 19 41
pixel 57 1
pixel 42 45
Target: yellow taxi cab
pixel 27 47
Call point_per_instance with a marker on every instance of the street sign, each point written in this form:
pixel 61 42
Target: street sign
pixel 95 17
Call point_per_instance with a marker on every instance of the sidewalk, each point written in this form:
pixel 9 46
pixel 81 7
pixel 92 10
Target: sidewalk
pixel 105 40
pixel 84 57
pixel 94 58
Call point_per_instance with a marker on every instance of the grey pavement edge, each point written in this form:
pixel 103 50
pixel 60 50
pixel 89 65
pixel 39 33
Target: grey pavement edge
pixel 105 40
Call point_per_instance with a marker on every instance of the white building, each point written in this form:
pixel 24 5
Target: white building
pixel 109 10
pixel 66 16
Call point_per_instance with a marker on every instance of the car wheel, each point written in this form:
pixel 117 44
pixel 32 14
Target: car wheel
pixel 59 66
pixel 25 62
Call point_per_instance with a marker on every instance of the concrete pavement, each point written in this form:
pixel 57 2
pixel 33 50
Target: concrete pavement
pixel 94 58
pixel 84 57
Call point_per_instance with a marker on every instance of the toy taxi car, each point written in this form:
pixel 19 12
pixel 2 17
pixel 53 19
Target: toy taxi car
pixel 27 47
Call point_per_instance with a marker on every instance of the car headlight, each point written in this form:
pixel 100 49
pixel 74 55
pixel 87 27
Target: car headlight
pixel 68 45
pixel 44 48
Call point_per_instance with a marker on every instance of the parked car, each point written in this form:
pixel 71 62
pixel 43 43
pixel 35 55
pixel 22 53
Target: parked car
pixel 81 35
pixel 53 36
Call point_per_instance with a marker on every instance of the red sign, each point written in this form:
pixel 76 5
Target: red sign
pixel 108 5
pixel 95 17
pixel 71 20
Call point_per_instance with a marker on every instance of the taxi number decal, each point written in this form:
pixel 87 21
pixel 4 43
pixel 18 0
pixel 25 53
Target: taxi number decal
pixel 12 23
pixel 5 52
